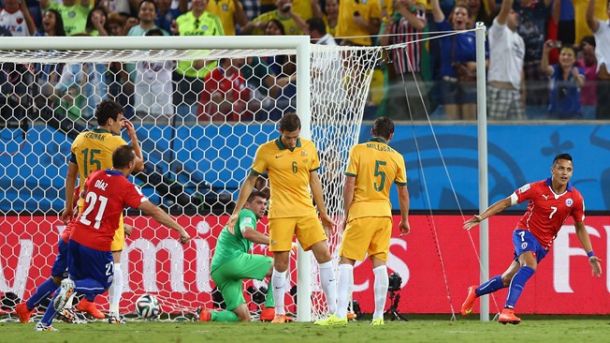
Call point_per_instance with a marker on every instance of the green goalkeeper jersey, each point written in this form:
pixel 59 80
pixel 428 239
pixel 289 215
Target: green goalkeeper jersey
pixel 230 245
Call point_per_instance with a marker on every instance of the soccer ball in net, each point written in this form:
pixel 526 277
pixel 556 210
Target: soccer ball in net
pixel 148 307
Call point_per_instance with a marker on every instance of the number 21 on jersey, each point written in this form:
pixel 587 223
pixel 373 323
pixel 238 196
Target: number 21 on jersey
pixel 91 201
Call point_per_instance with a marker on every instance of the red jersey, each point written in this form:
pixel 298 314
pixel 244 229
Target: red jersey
pixel 547 211
pixel 230 85
pixel 107 193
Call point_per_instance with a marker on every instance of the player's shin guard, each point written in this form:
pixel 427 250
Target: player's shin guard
pixel 346 278
pixel 269 301
pixel 381 290
pixel 517 284
pixel 490 286
pixel 329 285
pixel 278 280
pixel 116 289
pixel 44 290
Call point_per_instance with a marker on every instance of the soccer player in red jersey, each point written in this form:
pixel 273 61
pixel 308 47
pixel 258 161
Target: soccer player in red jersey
pixel 551 201
pixel 106 194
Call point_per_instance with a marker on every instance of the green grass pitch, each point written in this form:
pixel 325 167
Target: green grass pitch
pixel 532 329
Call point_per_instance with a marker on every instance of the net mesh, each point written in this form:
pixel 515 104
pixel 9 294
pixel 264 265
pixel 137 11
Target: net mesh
pixel 199 116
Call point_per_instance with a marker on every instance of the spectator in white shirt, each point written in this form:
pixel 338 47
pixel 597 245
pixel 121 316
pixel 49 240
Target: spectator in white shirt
pixel 16 18
pixel 507 50
pixel 601 31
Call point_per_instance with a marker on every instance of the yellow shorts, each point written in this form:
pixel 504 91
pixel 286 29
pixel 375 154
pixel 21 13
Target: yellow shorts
pixel 366 235
pixel 118 241
pixel 308 229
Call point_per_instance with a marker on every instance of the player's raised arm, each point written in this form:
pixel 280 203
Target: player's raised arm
pixel 244 192
pixel 316 191
pixel 135 143
pixel 68 212
pixel 496 208
pixel 163 218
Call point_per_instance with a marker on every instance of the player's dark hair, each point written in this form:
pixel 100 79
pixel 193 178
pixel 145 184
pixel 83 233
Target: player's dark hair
pixel 587 39
pixel 383 127
pixel 122 156
pixel 255 194
pixel 566 157
pixel 316 24
pixel 107 109
pixel 290 122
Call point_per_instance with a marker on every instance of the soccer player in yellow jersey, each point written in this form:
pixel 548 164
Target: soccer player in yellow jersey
pixel 372 168
pixel 291 164
pixel 91 151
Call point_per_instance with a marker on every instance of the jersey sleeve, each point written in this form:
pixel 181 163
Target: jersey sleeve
pixel 259 166
pixel 247 220
pixel 578 211
pixel 315 159
pixel 525 192
pixel 352 164
pixel 375 9
pixel 401 171
pixel 133 196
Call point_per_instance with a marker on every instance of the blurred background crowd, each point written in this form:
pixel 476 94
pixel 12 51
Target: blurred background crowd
pixel 561 50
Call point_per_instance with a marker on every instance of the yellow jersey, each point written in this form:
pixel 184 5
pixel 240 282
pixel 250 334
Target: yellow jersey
pixel 225 10
pixel 347 28
pixel 580 11
pixel 92 150
pixel 290 26
pixel 302 8
pixel 288 171
pixel 375 165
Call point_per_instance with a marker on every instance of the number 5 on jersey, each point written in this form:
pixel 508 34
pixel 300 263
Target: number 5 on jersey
pixel 381 174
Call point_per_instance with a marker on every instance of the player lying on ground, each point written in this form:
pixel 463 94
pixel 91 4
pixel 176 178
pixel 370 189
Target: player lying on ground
pixel 551 201
pixel 232 264
pixel 107 193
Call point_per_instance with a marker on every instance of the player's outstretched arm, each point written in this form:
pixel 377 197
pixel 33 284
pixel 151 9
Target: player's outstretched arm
pixel 583 237
pixel 496 208
pixel 316 190
pixel 68 212
pixel 244 192
pixel 255 237
pixel 403 201
pixel 163 218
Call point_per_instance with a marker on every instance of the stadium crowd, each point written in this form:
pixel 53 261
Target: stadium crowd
pixel 560 50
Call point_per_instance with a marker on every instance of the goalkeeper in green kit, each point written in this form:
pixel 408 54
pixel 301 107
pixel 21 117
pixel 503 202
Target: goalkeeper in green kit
pixel 232 263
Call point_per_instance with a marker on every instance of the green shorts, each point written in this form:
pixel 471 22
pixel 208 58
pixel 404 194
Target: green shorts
pixel 229 276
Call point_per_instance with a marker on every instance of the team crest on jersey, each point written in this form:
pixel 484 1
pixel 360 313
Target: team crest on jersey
pixel 569 202
pixel 303 153
pixel 524 188
pixel 225 7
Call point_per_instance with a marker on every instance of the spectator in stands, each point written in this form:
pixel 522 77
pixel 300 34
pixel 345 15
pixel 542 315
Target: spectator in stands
pixel 252 8
pixel 507 50
pixel 580 17
pixel 115 25
pixel 307 9
pixel 167 14
pixel 225 96
pixel 16 18
pixel 601 31
pixel 48 75
pixel 405 83
pixel 566 82
pixel 588 62
pixel 147 16
pixel 316 28
pixel 458 66
pixel 154 88
pixel 96 23
pixel 482 11
pixel 357 21
pixel 231 14
pixel 331 16
pixel 118 6
pixel 291 22
pixel 73 12
pixel 81 87
pixel 189 75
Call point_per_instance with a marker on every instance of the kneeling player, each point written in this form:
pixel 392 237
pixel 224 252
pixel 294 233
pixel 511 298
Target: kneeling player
pixel 107 193
pixel 232 263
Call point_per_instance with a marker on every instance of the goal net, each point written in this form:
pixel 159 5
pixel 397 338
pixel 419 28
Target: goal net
pixel 200 113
